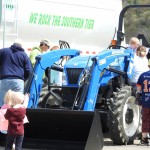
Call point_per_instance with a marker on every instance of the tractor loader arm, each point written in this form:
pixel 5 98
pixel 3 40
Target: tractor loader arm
pixel 102 62
pixel 42 62
pixel 58 128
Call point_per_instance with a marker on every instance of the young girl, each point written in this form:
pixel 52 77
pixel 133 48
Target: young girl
pixel 3 121
pixel 140 65
pixel 15 116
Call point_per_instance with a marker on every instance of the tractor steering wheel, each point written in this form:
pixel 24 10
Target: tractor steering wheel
pixel 117 46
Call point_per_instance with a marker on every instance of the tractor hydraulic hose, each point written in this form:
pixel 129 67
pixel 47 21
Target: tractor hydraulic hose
pixel 49 78
pixel 86 87
pixel 64 44
pixel 80 84
pixel 117 71
pixel 57 68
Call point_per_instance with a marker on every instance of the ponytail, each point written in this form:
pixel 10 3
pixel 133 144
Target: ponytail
pixel 141 51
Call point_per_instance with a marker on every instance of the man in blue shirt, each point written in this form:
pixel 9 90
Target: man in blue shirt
pixel 15 69
pixel 143 86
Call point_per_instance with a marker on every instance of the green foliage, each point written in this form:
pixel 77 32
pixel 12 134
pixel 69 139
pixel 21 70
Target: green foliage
pixel 137 21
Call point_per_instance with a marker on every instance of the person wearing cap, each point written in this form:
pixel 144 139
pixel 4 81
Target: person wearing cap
pixel 15 69
pixel 44 47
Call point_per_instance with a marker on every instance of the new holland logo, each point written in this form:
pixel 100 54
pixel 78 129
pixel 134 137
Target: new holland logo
pixel 75 64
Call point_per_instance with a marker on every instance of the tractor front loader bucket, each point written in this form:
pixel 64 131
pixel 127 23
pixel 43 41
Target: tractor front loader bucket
pixel 63 130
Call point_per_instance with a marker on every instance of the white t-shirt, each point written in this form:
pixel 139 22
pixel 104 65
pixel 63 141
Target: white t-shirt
pixel 140 65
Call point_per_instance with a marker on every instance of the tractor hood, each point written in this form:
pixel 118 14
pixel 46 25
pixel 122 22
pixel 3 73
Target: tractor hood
pixel 79 62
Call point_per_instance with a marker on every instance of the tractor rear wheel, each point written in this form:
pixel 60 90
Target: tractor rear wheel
pixel 123 117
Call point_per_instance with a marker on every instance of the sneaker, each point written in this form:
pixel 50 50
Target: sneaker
pixel 144 141
pixel 3 131
pixel 13 148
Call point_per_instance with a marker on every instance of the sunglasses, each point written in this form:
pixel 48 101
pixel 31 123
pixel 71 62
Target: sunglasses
pixel 43 44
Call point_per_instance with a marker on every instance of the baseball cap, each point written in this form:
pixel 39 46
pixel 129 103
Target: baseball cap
pixel 46 42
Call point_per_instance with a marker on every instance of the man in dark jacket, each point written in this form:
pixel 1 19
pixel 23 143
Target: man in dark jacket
pixel 15 69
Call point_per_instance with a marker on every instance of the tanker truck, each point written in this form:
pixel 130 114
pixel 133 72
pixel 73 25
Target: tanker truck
pixel 84 24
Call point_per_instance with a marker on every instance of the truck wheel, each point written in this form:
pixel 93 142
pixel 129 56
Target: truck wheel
pixel 123 117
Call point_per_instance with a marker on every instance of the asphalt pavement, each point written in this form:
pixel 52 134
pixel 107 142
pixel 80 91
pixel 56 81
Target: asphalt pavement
pixel 108 145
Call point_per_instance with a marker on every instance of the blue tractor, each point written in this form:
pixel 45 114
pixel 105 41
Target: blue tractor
pixel 93 84
pixel 95 91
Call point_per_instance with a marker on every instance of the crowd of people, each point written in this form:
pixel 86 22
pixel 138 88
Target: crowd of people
pixel 16 66
pixel 140 83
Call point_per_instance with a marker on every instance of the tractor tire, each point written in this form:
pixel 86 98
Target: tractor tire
pixel 43 93
pixel 123 117
pixel 47 100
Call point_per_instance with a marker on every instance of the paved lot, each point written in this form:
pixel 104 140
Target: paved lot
pixel 108 145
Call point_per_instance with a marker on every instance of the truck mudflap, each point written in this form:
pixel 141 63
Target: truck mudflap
pixel 63 130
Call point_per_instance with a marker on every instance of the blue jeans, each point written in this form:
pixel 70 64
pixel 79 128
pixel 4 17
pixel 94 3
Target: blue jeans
pixel 18 139
pixel 7 84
